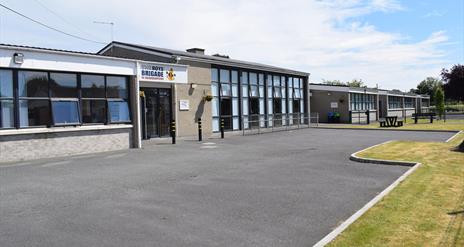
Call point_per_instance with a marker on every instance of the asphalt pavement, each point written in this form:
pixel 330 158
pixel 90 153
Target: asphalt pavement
pixel 279 189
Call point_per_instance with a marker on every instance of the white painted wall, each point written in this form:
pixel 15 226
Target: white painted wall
pixel 44 60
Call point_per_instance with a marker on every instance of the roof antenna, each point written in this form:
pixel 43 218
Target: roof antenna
pixel 107 23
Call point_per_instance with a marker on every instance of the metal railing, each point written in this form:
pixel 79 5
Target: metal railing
pixel 256 124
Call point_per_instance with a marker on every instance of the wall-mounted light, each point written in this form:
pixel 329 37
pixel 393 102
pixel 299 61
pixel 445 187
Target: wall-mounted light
pixel 18 58
pixel 193 85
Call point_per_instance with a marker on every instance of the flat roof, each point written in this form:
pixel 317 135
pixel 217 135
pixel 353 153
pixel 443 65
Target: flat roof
pixel 346 88
pixel 216 60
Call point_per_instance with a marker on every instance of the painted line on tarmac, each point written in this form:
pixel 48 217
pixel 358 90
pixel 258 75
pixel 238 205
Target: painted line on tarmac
pixel 58 163
pixel 16 165
pixel 115 156
pixel 208 147
pixel 455 135
pixel 209 143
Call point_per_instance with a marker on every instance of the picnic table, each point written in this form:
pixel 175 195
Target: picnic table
pixel 391 122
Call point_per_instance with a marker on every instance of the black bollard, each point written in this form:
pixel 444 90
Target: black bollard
pixel 200 136
pixel 173 131
pixel 222 128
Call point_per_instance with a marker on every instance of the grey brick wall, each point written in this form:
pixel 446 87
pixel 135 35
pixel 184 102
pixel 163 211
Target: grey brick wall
pixel 47 145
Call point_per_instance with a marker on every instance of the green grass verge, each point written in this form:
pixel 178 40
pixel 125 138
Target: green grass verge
pixel 427 209
pixel 423 124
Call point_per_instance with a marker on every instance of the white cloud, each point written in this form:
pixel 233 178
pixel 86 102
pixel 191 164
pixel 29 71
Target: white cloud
pixel 322 37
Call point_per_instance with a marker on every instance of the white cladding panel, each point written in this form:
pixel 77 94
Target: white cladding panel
pixel 67 62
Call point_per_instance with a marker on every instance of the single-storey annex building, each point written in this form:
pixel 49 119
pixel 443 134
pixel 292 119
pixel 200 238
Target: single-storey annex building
pixel 351 104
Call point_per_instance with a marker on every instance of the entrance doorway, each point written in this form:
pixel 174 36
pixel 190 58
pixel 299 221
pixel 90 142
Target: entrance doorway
pixel 254 112
pixel 156 112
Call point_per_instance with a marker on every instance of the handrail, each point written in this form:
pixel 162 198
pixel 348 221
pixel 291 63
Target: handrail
pixel 278 121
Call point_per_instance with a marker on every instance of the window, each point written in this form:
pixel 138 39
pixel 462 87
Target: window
pixel 409 102
pixel 93 99
pixel 63 85
pixel 33 84
pixel 6 114
pixel 395 102
pixel 93 111
pixel 34 113
pixel 93 86
pixel 118 111
pixel 214 75
pixel 116 87
pixel 34 103
pixel 362 102
pixel 65 112
pixel 6 99
pixel 224 76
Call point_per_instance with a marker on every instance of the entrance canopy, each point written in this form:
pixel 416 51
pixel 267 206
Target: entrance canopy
pixel 165 73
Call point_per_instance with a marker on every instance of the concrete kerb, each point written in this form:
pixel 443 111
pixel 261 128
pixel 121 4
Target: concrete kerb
pixel 387 129
pixel 354 157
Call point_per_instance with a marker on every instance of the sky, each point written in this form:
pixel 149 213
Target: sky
pixel 391 44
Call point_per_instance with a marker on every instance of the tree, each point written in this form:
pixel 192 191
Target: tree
pixel 352 83
pixel 454 82
pixel 439 101
pixel 428 87
pixel 355 83
pixel 333 82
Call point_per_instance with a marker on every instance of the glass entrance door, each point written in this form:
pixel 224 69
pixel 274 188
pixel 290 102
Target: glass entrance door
pixel 157 109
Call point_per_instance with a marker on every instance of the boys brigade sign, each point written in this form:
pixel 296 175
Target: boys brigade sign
pixel 162 73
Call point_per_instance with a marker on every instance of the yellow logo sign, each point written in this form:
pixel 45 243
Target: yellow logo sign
pixel 171 75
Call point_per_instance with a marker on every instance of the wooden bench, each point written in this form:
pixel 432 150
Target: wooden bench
pixel 427 115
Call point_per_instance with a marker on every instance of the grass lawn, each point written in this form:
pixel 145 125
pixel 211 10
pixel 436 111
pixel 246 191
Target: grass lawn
pixel 423 124
pixel 427 209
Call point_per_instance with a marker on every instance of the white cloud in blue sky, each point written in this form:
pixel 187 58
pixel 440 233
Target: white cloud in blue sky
pixel 331 39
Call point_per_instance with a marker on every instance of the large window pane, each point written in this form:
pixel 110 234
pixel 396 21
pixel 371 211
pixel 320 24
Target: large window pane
pixel 245 106
pixel 6 114
pixel 254 91
pixel 276 81
pixel 253 79
pixel 244 91
pixel 116 87
pixel 215 124
pixel 214 89
pixel 34 113
pixel 65 112
pixel 224 76
pixel 63 85
pixel 235 90
pixel 234 76
pixel 244 78
pixel 215 106
pixel 93 86
pixel 214 75
pixel 6 83
pixel 235 106
pixel 33 84
pixel 225 90
pixel 261 79
pixel 93 111
pixel 118 111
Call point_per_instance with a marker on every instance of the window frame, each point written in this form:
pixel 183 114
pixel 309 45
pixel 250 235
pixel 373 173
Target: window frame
pixel 8 98
pixel 17 99
pixel 76 100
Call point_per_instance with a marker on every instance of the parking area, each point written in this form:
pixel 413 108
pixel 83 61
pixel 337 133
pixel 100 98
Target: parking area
pixel 279 189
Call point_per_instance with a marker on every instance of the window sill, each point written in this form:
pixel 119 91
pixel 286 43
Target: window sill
pixel 63 129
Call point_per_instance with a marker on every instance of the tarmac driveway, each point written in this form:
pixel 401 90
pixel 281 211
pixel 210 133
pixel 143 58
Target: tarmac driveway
pixel 280 189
